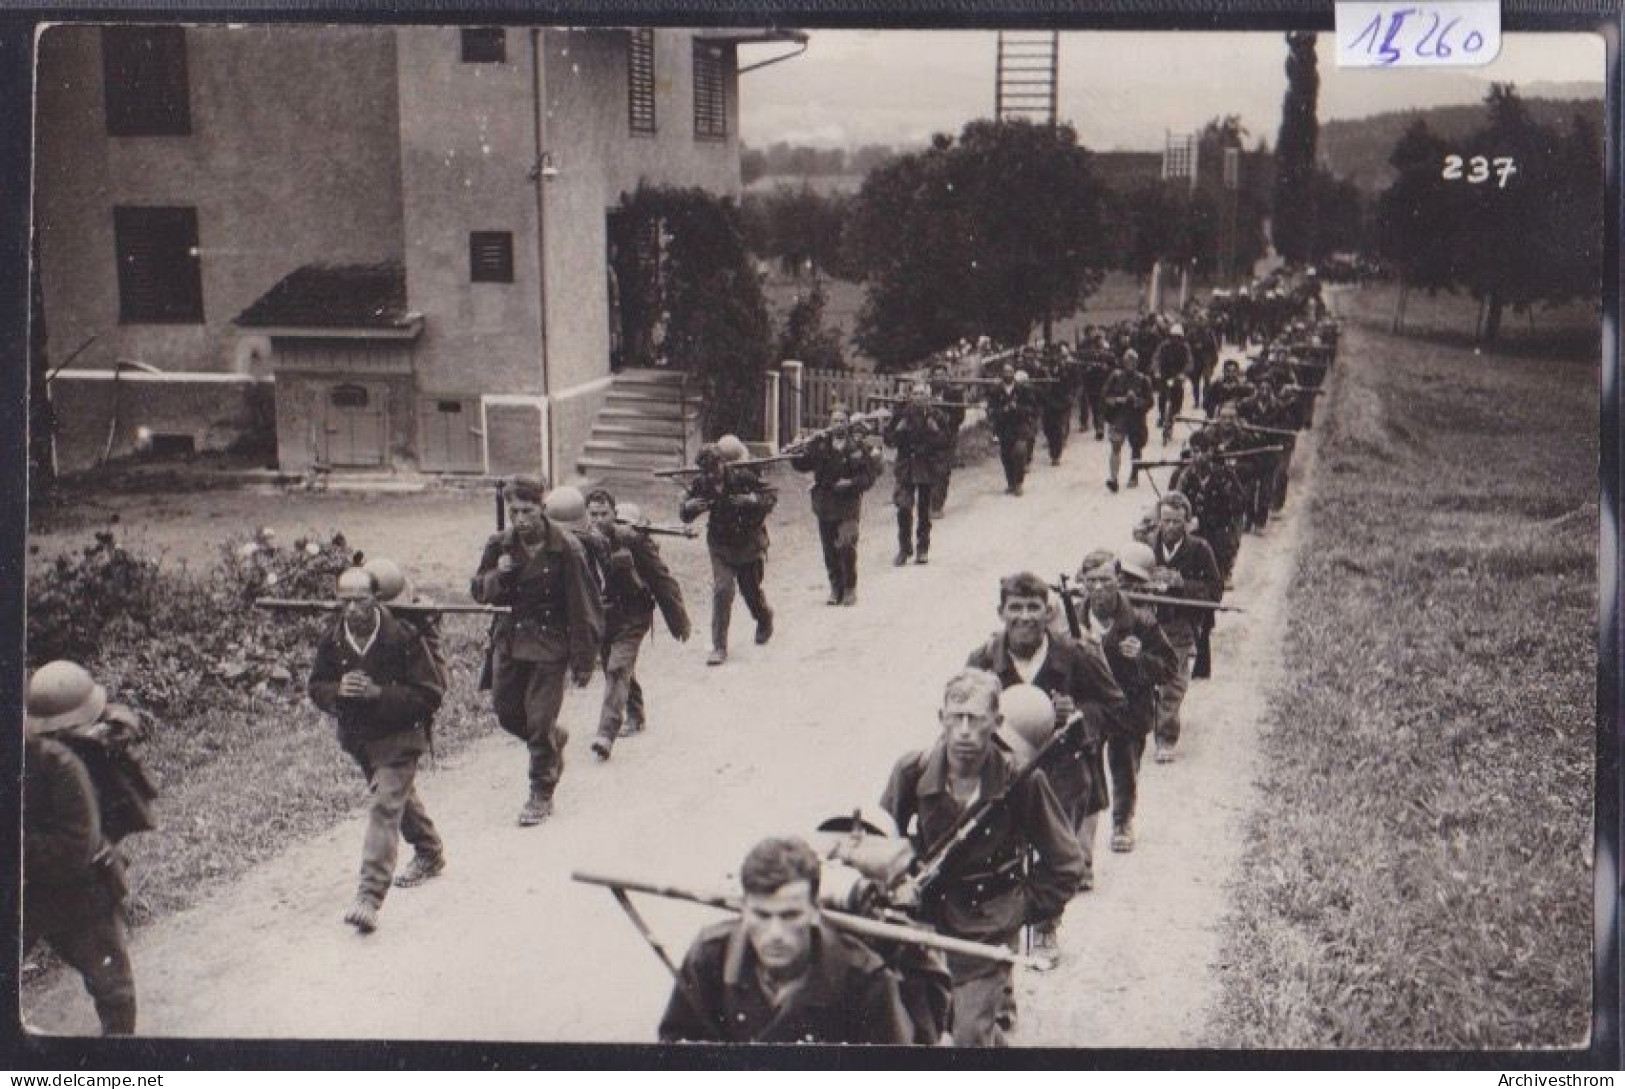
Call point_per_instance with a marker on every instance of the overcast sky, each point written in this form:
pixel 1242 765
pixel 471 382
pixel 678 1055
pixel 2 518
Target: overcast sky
pixel 1121 90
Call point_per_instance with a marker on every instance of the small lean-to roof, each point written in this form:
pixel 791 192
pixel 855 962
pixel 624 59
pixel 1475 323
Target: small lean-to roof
pixel 336 300
pixel 751 34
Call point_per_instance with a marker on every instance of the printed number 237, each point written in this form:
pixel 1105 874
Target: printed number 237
pixel 1478 169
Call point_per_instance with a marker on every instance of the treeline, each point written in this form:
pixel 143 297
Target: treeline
pixel 811 162
pixel 1511 214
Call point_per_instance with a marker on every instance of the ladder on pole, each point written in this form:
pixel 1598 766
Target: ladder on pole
pixel 1027 76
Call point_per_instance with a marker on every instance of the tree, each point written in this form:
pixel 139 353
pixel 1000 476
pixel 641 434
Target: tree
pixel 705 313
pixel 805 337
pixel 1295 152
pixel 1341 226
pixel 990 234
pixel 1418 217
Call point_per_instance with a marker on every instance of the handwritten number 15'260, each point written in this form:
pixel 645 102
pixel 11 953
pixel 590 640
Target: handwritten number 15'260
pixel 1434 43
pixel 1478 169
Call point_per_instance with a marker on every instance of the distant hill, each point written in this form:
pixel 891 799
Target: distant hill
pixel 1358 150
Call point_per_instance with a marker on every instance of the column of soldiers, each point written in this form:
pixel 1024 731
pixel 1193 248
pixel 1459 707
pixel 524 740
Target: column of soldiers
pixel 578 587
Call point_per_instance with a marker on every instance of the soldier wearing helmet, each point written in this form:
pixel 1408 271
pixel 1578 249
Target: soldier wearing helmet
pixel 1095 362
pixel 953 397
pixel 636 580
pixel 922 438
pixel 556 630
pixel 73 875
pixel 738 501
pixel 1128 396
pixel 1140 658
pixel 988 891
pixel 1012 413
pixel 373 674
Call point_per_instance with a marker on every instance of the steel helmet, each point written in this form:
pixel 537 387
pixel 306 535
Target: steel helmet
pixel 565 504
pixel 1177 330
pixel 355 579
pixel 63 694
pixel 1136 560
pixel 732 448
pixel 387 576
pixel 1029 720
pixel 630 513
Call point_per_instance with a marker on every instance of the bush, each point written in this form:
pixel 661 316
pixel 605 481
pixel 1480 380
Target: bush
pixel 175 642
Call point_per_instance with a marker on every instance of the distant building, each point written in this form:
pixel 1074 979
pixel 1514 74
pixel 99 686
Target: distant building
pixel 400 234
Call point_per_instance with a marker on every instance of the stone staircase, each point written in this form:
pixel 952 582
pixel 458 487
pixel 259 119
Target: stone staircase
pixel 643 425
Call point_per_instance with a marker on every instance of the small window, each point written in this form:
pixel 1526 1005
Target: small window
pixel 144 81
pixel 710 91
pixel 640 81
pixel 160 278
pixel 348 397
pixel 490 257
pixel 449 408
pixel 485 45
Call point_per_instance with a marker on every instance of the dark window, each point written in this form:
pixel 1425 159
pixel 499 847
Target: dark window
pixel 159 275
pixel 144 78
pixel 450 407
pixel 640 80
pixel 349 397
pixel 710 92
pixel 490 257
pixel 485 45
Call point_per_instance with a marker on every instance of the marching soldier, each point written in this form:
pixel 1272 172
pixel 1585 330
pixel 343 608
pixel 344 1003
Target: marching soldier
pixel 778 974
pixel 1172 365
pixel 1216 499
pixel 74 886
pixel 1204 357
pixel 1095 363
pixel 1078 680
pixel 374 675
pixel 1128 398
pixel 990 891
pixel 843 468
pixel 1140 658
pixel 922 438
pixel 1012 412
pixel 1185 568
pixel 954 413
pixel 636 581
pixel 1230 388
pixel 556 628
pixel 738 501
pixel 1056 399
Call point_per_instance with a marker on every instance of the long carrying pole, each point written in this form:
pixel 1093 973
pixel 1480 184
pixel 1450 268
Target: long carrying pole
pixel 288 604
pixel 854 924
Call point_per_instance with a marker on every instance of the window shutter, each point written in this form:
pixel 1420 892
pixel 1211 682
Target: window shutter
pixel 640 81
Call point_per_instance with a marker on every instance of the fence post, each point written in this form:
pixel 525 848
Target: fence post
pixel 770 410
pixel 793 397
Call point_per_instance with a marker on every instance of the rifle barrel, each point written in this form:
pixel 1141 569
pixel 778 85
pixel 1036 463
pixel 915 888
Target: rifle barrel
pixel 287 604
pixel 1187 602
pixel 855 924
pixel 690 470
pixel 660 530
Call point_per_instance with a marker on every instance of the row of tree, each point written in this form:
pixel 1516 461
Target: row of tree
pixel 782 158
pixel 1512 214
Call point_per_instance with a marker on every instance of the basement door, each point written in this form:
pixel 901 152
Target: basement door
pixel 355 425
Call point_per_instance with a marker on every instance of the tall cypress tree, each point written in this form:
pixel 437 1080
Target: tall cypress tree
pixel 1295 152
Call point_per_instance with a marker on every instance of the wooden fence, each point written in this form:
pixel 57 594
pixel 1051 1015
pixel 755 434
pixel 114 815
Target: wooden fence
pixel 821 390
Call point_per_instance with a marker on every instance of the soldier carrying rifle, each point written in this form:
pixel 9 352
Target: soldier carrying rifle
pixel 738 502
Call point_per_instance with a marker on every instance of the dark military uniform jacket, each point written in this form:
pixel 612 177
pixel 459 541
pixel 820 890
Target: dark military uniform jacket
pixel 1217 499
pixel 1095 366
pixel 853 465
pixel 1012 412
pixel 1224 391
pixel 737 529
pixel 922 438
pixel 985 895
pixel 1172 360
pixel 1128 397
pixel 1138 677
pixel 65 855
pixel 636 580
pixel 558 613
pixel 1078 670
pixel 396 660
pixel 847 996
pixel 1193 560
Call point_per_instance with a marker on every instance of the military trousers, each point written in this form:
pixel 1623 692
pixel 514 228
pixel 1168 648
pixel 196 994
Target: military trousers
pixel 620 660
pixel 839 538
pixel 725 578
pixel 394 810
pixel 528 696
pixel 1171 693
pixel 913 517
pixel 88 931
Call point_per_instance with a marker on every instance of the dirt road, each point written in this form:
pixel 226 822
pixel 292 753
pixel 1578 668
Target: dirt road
pixel 506 947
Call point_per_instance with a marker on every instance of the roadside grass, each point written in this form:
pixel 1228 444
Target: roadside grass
pixel 1419 872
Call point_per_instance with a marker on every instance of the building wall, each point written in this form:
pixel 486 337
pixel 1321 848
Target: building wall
pixel 293 158
pixel 467 147
pixel 598 159
pixel 216 411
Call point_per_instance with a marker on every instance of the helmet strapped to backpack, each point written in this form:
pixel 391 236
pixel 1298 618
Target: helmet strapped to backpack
pixel 1029 720
pixel 61 695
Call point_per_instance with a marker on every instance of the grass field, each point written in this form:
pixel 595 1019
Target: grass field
pixel 1419 875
